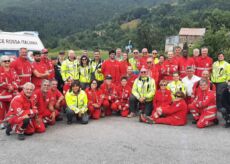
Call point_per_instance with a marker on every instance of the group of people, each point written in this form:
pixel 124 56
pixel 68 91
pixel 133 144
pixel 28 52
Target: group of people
pixel 156 88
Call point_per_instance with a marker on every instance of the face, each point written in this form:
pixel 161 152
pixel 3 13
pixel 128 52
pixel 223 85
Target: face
pixel 204 52
pixel 45 87
pixel 196 53
pixel 62 56
pixel 203 86
pixel 28 90
pixel 112 56
pixel 154 54
pixel 163 86
pixel 149 62
pixel 96 55
pixel 220 57
pixel 75 89
pixel 170 55
pixel 123 82
pixel 45 55
pixel 145 51
pixel 185 53
pixel 135 53
pixel 190 72
pixel 37 58
pixel 108 81
pixel 84 60
pixel 94 85
pixel 205 74
pixel 118 52
pixel 129 70
pixel 71 55
pixel 178 51
pixel 161 59
pixel 6 62
pixel 54 62
pixel 54 85
pixel 176 77
pixel 125 56
pixel 143 73
pixel 23 53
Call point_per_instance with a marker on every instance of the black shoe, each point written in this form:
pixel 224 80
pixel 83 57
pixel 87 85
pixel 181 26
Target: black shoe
pixel 8 129
pixel 69 122
pixel 194 122
pixel 21 136
pixel 59 119
pixel 149 120
pixel 216 121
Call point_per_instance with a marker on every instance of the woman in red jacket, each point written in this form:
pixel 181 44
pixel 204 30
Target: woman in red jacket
pixel 94 100
pixel 124 64
pixel 175 114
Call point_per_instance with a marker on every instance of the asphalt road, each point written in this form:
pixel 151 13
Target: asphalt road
pixel 116 140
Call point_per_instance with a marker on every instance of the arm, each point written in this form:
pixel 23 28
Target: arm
pixel 151 90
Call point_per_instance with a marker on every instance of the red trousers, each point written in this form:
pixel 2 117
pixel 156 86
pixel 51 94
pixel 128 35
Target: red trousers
pixel 108 107
pixel 122 107
pixel 170 120
pixel 46 116
pixel 95 113
pixel 34 126
pixel 204 117
pixel 4 107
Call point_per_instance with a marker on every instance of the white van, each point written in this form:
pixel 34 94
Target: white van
pixel 11 42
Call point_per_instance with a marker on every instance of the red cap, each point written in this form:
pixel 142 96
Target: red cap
pixel 44 51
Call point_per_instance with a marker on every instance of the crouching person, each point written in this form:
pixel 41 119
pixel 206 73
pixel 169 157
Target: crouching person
pixel 203 108
pixel 94 95
pixel 22 116
pixel 175 114
pixel 76 100
pixel 121 105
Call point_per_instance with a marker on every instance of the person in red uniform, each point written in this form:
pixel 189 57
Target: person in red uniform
pixel 94 95
pixel 22 116
pixel 9 82
pixel 177 53
pixel 160 65
pixel 184 62
pixel 203 108
pixel 196 87
pixel 196 54
pixel 112 67
pixel 39 69
pixel 49 65
pixel 109 95
pixel 143 59
pixel 121 105
pixel 57 100
pixel 131 76
pixel 124 64
pixel 163 96
pixel 22 67
pixel 175 114
pixel 169 67
pixel 43 103
pixel 203 62
pixel 67 85
pixel 153 71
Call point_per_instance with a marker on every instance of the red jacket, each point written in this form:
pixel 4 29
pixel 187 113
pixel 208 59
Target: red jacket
pixel 54 96
pixel 185 62
pixel 49 66
pixel 177 110
pixel 203 64
pixel 109 92
pixel 154 73
pixel 7 79
pixel 168 68
pixel 24 70
pixel 21 106
pixel 162 99
pixel 66 87
pixel 131 80
pixel 196 88
pixel 94 96
pixel 142 62
pixel 41 68
pixel 159 67
pixel 123 67
pixel 123 94
pixel 112 68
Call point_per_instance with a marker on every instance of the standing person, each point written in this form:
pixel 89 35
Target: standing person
pixel 45 60
pixel 160 65
pixel 121 104
pixel 95 100
pixel 225 102
pixel 9 82
pixel 143 59
pixel 22 67
pixel 111 67
pixel 175 114
pixel 22 116
pixel 119 56
pixel 220 76
pixel 57 74
pixel 39 69
pixel 196 54
pixel 143 92
pixel 69 67
pixel 155 56
pixel 184 62
pixel 203 108
pixel 176 85
pixel 61 59
pixel 131 77
pixel 124 64
pixel 169 67
pixel 109 95
pixel 84 72
pixel 135 61
pixel 153 71
pixel 96 65
pixel 189 82
pixel 203 62
pixel 76 100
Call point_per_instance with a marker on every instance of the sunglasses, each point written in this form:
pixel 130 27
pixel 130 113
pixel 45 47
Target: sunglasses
pixel 6 61
pixel 83 59
pixel 149 62
pixel 143 71
pixel 94 83
pixel 163 85
pixel 135 52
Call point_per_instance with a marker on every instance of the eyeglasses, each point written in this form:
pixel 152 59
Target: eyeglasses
pixel 143 71
pixel 135 52
pixel 163 85
pixel 83 59
pixel 94 83
pixel 6 61
pixel 149 62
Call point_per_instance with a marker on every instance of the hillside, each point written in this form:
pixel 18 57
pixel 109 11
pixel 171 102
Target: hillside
pixel 55 19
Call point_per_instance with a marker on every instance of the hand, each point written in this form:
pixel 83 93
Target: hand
pixel 159 111
pixel 10 87
pixel 109 97
pixel 57 105
pixel 53 115
pixel 26 116
pixel 156 115
pixel 142 99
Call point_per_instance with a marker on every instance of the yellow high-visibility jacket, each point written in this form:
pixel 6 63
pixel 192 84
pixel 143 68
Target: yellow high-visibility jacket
pixel 133 63
pixel 69 69
pixel 84 74
pixel 77 103
pixel 144 87
pixel 220 72
pixel 96 69
pixel 176 86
